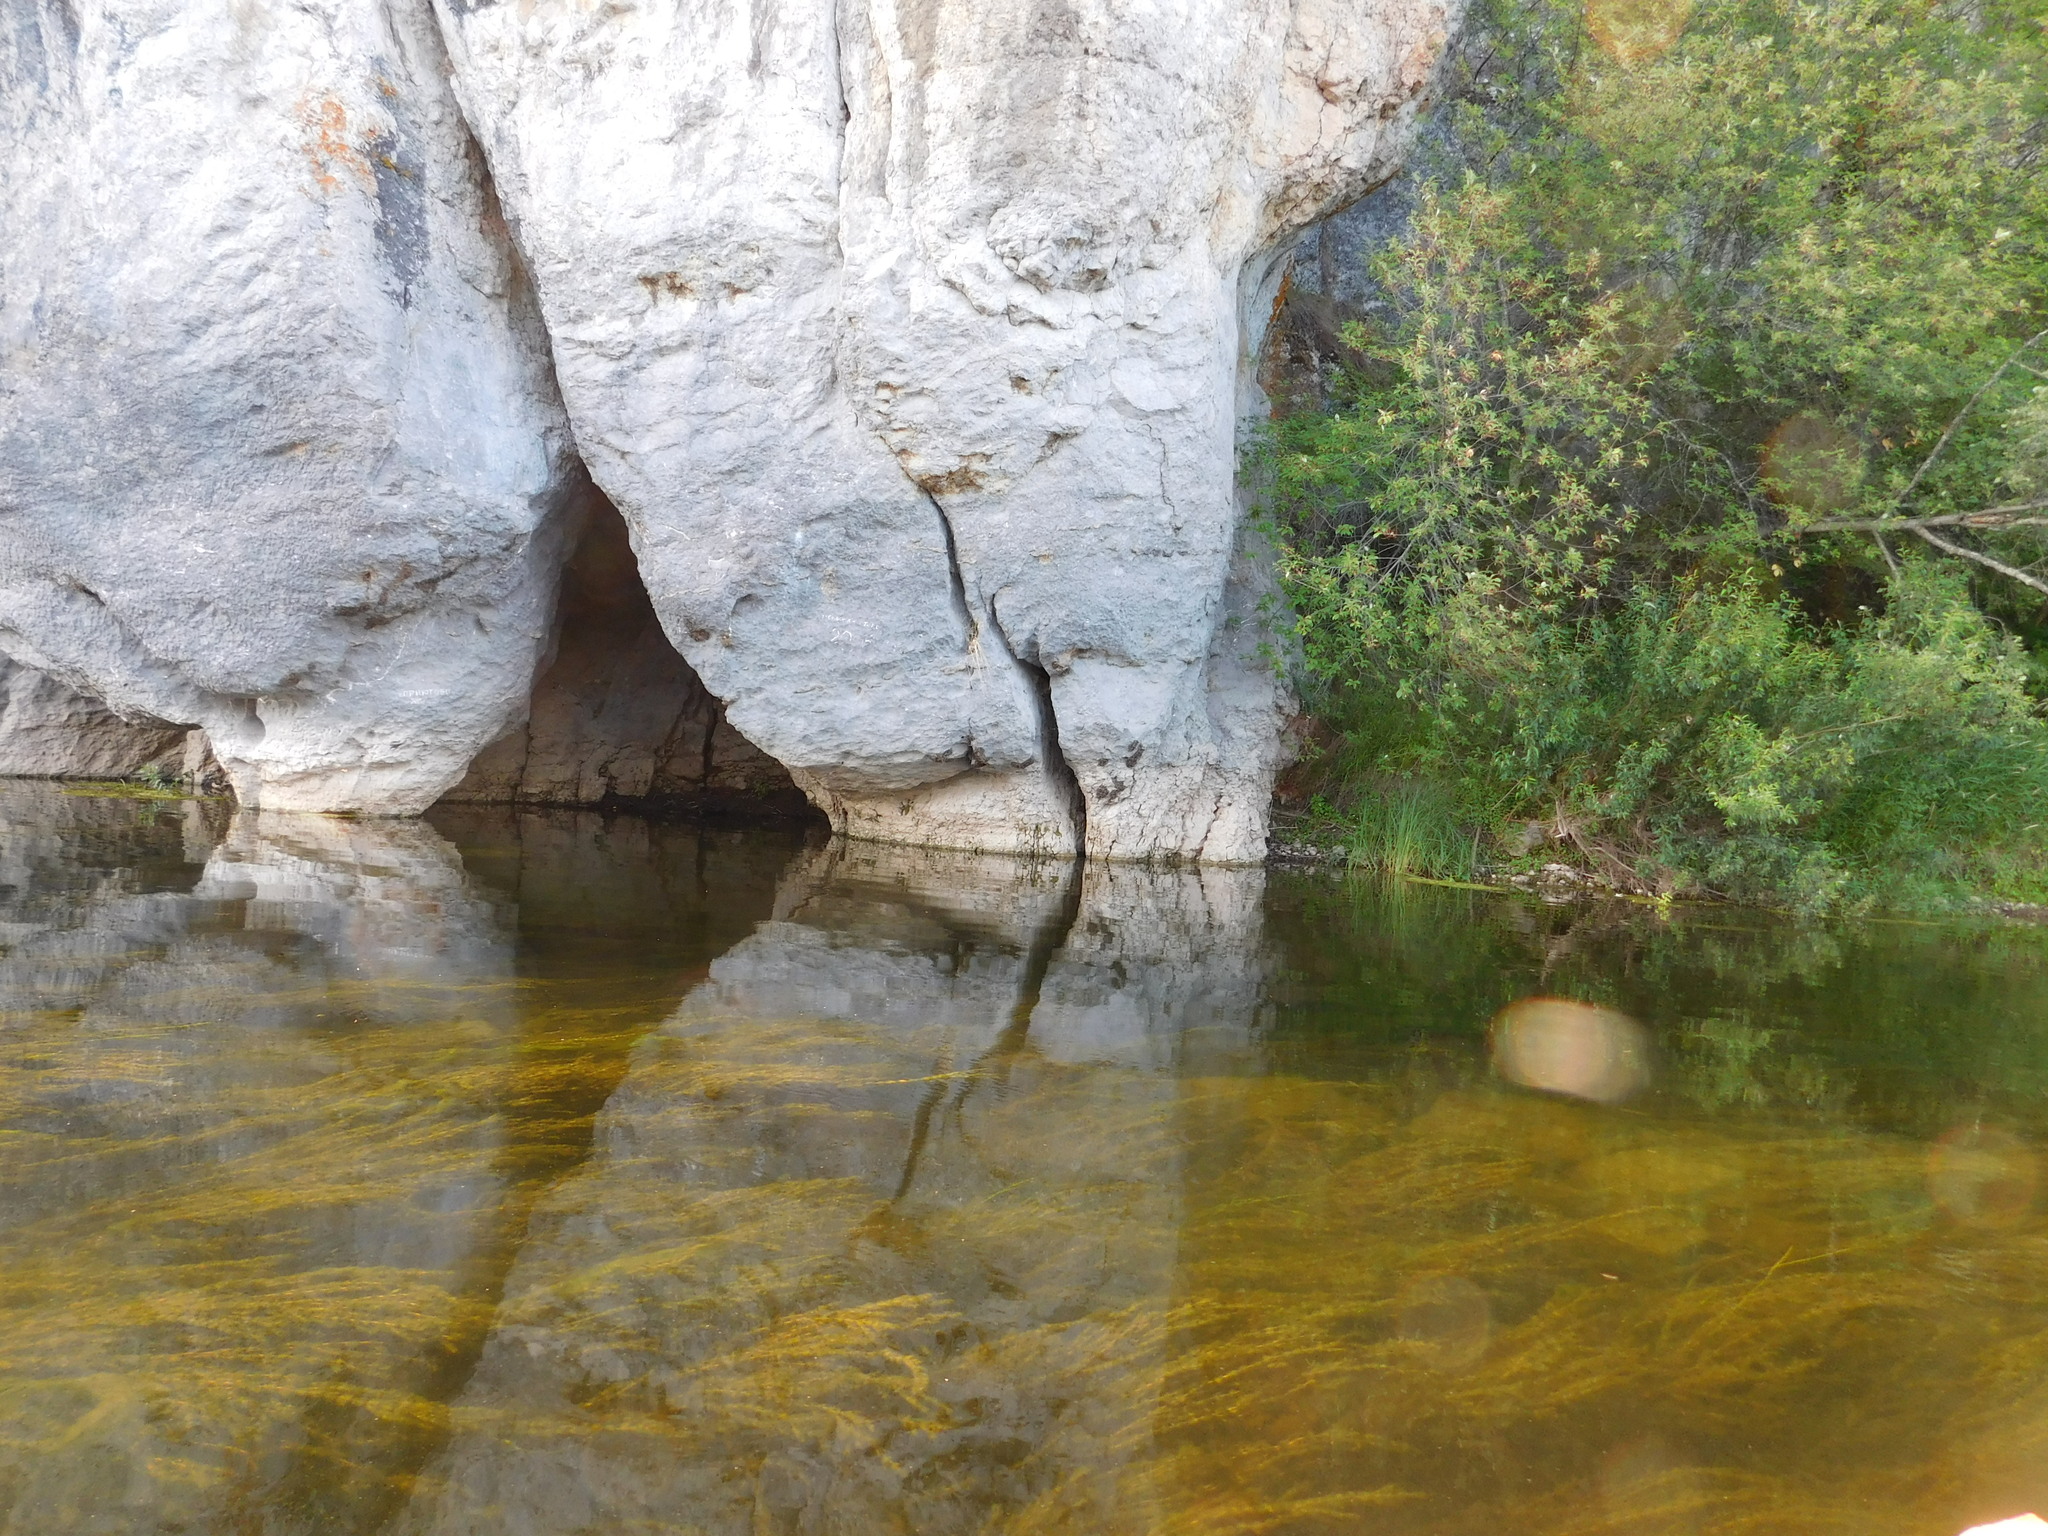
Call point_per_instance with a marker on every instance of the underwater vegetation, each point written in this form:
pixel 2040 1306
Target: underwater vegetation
pixel 827 1202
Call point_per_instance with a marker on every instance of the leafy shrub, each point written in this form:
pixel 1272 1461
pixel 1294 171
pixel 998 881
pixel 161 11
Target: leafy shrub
pixel 1671 351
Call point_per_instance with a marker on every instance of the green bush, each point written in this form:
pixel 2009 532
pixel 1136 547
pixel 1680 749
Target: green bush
pixel 1673 354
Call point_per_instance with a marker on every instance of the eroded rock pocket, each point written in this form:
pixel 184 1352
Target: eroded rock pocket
pixel 618 718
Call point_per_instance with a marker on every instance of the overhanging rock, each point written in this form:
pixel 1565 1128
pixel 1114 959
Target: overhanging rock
pixel 911 338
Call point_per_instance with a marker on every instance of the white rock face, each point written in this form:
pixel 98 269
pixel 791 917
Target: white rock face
pixel 911 337
pixel 279 452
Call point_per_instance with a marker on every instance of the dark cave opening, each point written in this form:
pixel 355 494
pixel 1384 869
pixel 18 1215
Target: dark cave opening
pixel 618 720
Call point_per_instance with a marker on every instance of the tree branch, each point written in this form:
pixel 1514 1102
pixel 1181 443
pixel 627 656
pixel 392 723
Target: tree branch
pixel 1957 420
pixel 2015 515
pixel 2011 515
pixel 2012 572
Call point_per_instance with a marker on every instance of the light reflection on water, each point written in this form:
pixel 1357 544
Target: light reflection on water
pixel 550 1175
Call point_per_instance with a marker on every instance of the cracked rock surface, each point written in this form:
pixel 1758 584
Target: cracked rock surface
pixel 912 339
pixel 279 452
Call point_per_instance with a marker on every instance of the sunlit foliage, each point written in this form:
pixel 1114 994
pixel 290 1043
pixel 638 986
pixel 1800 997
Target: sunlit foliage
pixel 1639 524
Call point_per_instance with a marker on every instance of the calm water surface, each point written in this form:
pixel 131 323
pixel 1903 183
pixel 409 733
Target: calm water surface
pixel 545 1174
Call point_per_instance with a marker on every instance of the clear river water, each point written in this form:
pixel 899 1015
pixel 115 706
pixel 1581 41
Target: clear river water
pixel 552 1174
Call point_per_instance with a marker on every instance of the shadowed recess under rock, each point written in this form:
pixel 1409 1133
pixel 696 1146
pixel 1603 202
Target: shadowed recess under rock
pixel 618 719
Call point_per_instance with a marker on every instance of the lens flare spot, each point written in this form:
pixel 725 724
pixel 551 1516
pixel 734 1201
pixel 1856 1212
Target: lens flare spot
pixel 2018 1525
pixel 1448 1318
pixel 1983 1176
pixel 1650 323
pixel 1560 1046
pixel 1646 1485
pixel 1636 30
pixel 1812 464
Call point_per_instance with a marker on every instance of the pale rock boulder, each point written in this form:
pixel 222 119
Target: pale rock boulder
pixel 1063 225
pixel 49 731
pixel 671 174
pixel 913 337
pixel 280 455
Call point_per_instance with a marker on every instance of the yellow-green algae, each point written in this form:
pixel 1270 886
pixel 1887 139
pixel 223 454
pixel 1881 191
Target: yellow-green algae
pixel 847 1212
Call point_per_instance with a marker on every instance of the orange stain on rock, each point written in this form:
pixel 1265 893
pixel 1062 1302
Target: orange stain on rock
pixel 328 147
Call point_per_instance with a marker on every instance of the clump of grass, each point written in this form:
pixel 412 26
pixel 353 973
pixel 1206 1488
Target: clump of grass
pixel 1411 830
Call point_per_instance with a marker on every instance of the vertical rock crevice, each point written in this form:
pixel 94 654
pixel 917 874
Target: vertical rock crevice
pixel 1065 782
pixel 957 580
pixel 1052 759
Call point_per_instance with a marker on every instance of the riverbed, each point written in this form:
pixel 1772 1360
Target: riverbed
pixel 550 1173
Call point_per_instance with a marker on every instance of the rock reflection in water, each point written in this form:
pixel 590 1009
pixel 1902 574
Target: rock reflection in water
pixel 272 1101
pixel 551 1174
pixel 881 1230
pixel 250 1161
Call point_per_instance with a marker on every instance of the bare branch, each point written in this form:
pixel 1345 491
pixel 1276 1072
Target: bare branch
pixel 2015 515
pixel 2012 572
pixel 2011 515
pixel 1996 517
pixel 1957 420
pixel 1853 725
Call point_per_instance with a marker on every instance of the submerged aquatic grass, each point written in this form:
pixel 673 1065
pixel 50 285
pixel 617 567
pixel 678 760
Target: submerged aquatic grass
pixel 239 1256
pixel 1115 1304
pixel 1739 1304
pixel 1164 1213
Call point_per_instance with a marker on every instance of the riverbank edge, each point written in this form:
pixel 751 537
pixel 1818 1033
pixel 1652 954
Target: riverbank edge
pixel 1559 884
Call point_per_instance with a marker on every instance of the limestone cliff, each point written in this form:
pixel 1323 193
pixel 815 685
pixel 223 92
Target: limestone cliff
pixel 910 338
pixel 280 454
